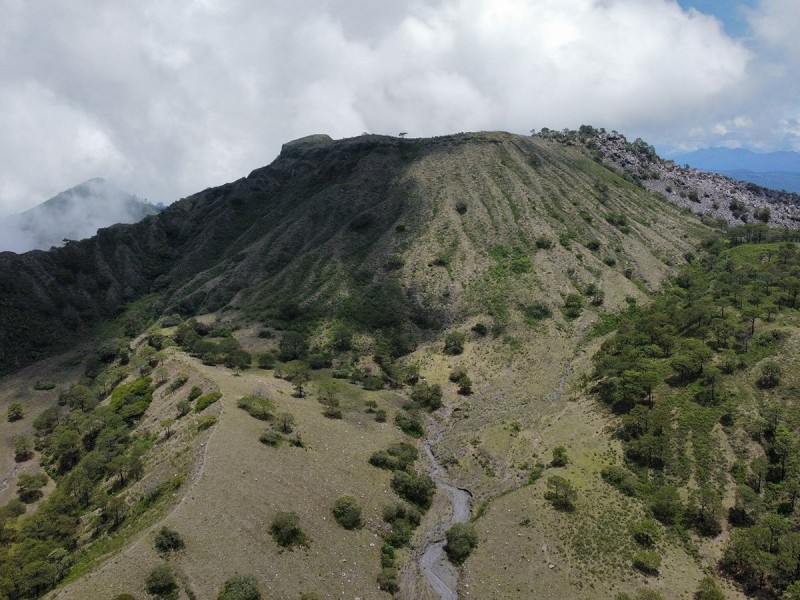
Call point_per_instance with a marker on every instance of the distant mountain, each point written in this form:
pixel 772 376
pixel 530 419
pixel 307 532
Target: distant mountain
pixel 74 214
pixel 776 170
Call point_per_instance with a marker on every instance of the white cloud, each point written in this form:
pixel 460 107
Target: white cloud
pixel 166 97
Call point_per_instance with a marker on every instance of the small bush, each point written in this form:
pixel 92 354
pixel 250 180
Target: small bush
pixel 347 512
pixel 560 458
pixel 620 478
pixel 380 415
pixel 461 207
pixel 417 489
pixel 646 532
pixel 270 438
pixel 203 402
pixel 573 305
pixel 708 589
pixel 454 343
pixel 481 329
pixel 44 385
pixel 561 493
pixel 161 582
pixel 266 360
pixel 461 540
pixel 410 423
pixel 258 407
pixel 387 580
pixel 194 393
pixel 647 562
pixel 770 375
pixel 204 423
pixel 240 587
pixel 168 540
pixel 427 396
pixel 179 382
pixel 397 457
pixel 286 532
pixel 15 412
pixel 544 243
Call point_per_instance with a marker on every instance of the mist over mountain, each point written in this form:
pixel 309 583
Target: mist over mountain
pixel 74 214
pixel 775 170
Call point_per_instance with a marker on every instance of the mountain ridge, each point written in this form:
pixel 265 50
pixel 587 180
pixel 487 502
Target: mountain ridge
pixel 73 214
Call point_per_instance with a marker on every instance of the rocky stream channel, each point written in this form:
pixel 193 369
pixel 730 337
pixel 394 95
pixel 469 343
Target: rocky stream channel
pixel 431 560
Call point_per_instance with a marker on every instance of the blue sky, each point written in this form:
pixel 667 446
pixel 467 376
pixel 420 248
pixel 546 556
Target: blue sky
pixel 166 97
pixel 730 12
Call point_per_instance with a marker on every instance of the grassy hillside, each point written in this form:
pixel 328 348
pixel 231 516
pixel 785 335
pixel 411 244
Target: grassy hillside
pixel 447 293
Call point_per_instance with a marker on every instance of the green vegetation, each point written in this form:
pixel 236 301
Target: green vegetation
pixel 258 407
pixel 15 412
pixel 417 489
pixel 397 457
pixel 203 402
pixel 701 360
pixel 461 541
pixel 347 512
pixel 161 582
pixel 168 540
pixel 561 493
pixel 240 587
pixel 285 530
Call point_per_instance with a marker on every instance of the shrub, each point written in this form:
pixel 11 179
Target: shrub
pixel 461 207
pixel 427 396
pixel 319 361
pixel 347 512
pixel 168 540
pixel 544 243
pixel 417 489
pixel 666 504
pixel 409 423
pixel 397 457
pixel 204 423
pixel 593 245
pixel 646 532
pixel 15 412
pixel 561 493
pixel 184 408
pixel 23 448
pixel 194 393
pixel 573 305
pixel 179 382
pixel 240 587
pixel 461 540
pixel 387 580
pixel 266 360
pixel 620 478
pixel 44 385
pixel 258 407
pixel 284 422
pixel 560 458
pixel 454 343
pixel 380 415
pixel 161 582
pixel 647 562
pixel 708 589
pixel 770 375
pixel 481 329
pixel 203 402
pixel 270 438
pixel 538 311
pixel 286 532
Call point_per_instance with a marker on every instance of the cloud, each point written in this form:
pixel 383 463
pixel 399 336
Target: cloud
pixel 165 98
